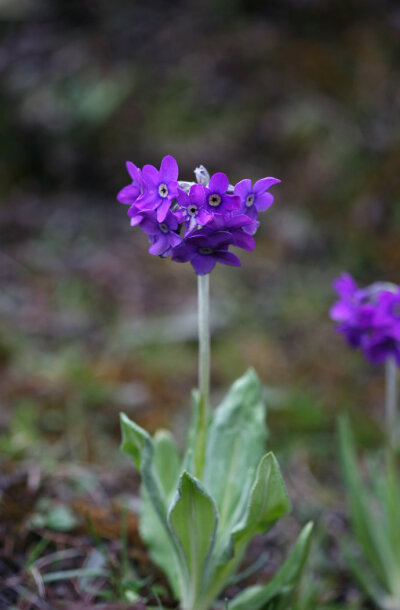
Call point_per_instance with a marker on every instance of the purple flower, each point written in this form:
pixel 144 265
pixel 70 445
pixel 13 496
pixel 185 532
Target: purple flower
pixel 160 187
pixel 192 208
pixel 368 318
pixel 163 236
pixel 204 249
pixel 217 199
pixel 255 199
pixel 130 193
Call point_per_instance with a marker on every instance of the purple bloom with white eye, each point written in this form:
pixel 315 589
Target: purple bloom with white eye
pixel 129 194
pixel 217 199
pixel 254 199
pixel 367 318
pixel 192 208
pixel 162 235
pixel 160 187
pixel 204 249
pixel 240 226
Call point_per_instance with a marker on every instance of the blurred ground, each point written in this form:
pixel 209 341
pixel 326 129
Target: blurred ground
pixel 90 324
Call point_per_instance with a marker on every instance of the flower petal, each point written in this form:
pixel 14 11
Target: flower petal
pixel 345 285
pixel 219 239
pixel 149 226
pixel 252 213
pixel 198 195
pixel 230 202
pixel 128 194
pixel 219 183
pixel 243 188
pixel 203 263
pixel 183 198
pixel 263 201
pixel 169 169
pixel 160 245
pixel 264 184
pixel 163 209
pixel 133 171
pixel 227 258
pixel 203 217
pixel 174 239
pixel 244 241
pixel 183 253
pixel 150 176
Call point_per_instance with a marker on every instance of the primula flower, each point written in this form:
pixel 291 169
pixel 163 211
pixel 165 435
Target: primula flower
pixel 194 222
pixel 368 318
pixel 204 249
pixel 192 208
pixel 255 199
pixel 217 199
pixel 162 235
pixel 160 187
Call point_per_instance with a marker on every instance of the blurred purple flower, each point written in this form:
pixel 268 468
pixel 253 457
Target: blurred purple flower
pixel 204 249
pixel 368 318
pixel 255 199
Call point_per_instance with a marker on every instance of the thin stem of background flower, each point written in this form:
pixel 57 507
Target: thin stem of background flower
pixel 204 370
pixel 391 402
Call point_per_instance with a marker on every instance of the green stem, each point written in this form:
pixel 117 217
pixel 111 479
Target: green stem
pixel 204 371
pixel 391 403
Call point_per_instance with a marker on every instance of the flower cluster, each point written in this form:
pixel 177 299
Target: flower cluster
pixel 195 222
pixel 369 318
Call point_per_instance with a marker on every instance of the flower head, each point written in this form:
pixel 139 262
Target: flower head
pixel 194 222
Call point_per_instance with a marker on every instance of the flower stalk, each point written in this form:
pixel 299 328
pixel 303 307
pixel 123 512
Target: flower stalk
pixel 391 402
pixel 203 284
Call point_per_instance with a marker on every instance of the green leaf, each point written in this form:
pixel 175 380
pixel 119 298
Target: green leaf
pixel 265 504
pixel 236 443
pixel 278 593
pixel 193 518
pixel 268 501
pixel 138 445
pixel 167 466
pixel 167 461
pixel 134 439
pixel 391 505
pixel 371 538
